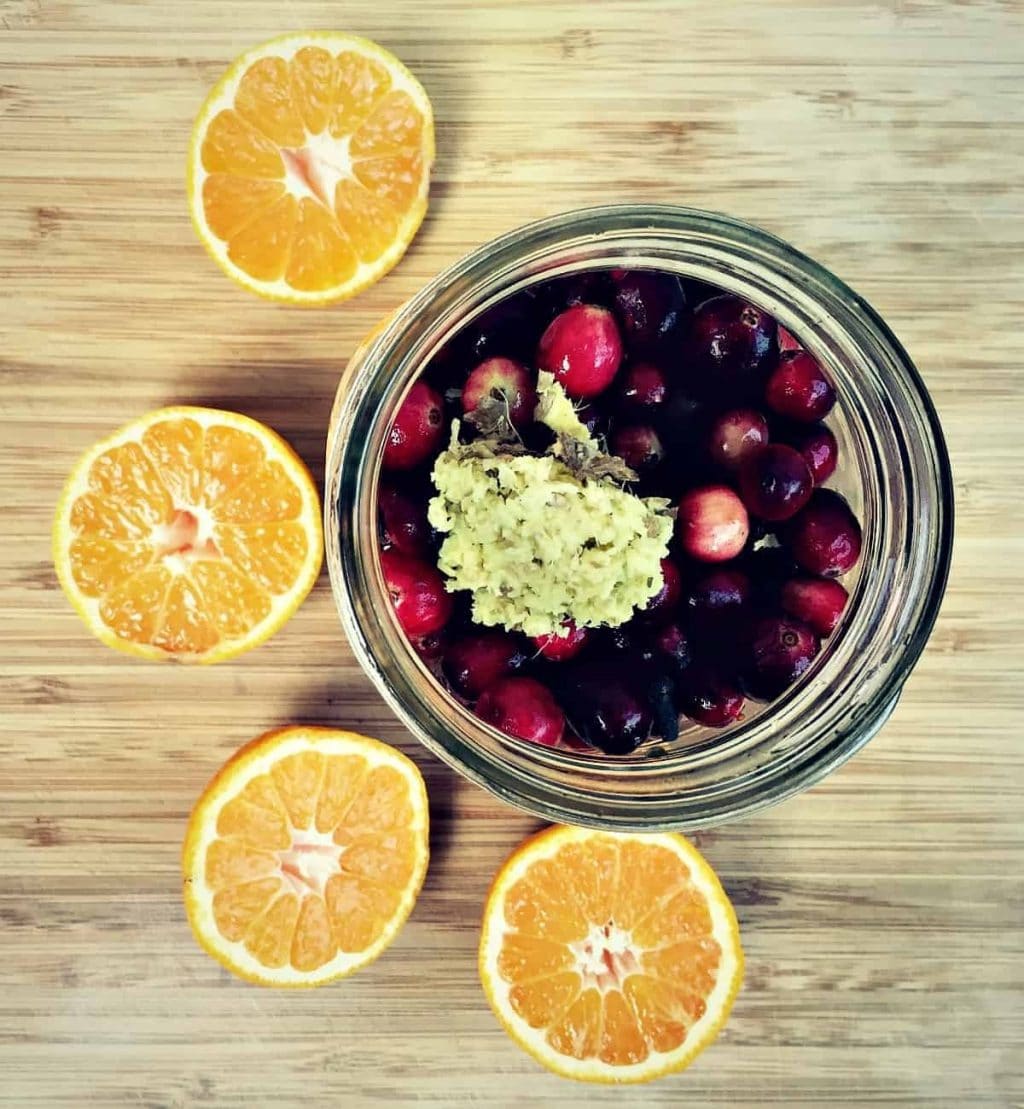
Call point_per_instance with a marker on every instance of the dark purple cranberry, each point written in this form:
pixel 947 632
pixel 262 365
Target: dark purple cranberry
pixel 768 569
pixel 642 387
pixel 664 602
pixel 819 602
pixel 731 347
pixel 736 436
pixel 403 520
pixel 825 537
pixel 612 641
pixel 638 446
pixel 650 306
pixel 716 601
pixel 431 647
pixel 798 388
pixel 552 297
pixel 590 416
pixel 781 649
pixel 711 699
pixel 476 661
pixel 819 449
pixel 508 330
pixel 606 706
pixel 776 483
pixel 672 645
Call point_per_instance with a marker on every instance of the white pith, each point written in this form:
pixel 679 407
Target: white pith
pixel 614 941
pixel 200 895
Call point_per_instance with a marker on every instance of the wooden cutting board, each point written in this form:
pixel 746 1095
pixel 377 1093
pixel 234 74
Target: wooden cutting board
pixel 882 911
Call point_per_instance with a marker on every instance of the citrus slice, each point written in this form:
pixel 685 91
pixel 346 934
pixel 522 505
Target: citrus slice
pixel 610 958
pixel 304 855
pixel 190 534
pixel 309 166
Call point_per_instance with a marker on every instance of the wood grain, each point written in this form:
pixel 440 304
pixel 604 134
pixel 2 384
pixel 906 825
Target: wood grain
pixel 882 911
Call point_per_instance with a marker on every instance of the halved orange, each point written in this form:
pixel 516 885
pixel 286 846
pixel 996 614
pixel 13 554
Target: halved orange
pixel 610 958
pixel 309 166
pixel 304 856
pixel 190 534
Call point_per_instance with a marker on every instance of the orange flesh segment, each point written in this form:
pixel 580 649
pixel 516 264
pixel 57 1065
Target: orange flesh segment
pixel 139 550
pixel 349 821
pixel 368 143
pixel 636 1002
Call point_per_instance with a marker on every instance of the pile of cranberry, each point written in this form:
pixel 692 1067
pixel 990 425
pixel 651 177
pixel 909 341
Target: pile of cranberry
pixel 713 405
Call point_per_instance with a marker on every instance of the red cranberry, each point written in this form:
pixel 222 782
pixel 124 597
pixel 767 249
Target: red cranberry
pixel 643 386
pixel 416 430
pixel 664 602
pixel 825 537
pixel 787 341
pixel 524 708
pixel 736 436
pixel 731 345
pixel 776 483
pixel 417 593
pixel 650 306
pixel 716 600
pixel 560 648
pixel 512 380
pixel 638 446
pixel 582 348
pixel 711 699
pixel 819 449
pixel 712 524
pixel 606 707
pixel 819 602
pixel 781 649
pixel 479 659
pixel 798 388
pixel 403 520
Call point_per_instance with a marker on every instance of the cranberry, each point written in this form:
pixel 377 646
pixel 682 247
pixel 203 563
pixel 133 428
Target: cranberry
pixel 506 330
pixel 560 648
pixel 776 483
pixel 582 348
pixel 787 341
pixel 416 430
pixel 819 449
pixel 403 520
pixel 417 593
pixel 479 659
pixel 512 380
pixel 650 306
pixel 431 647
pixel 819 602
pixel 716 601
pixel 736 436
pixel 552 297
pixel 664 602
pixel 523 708
pixel 711 699
pixel 825 537
pixel 712 524
pixel 643 387
pixel 606 707
pixel 768 569
pixel 638 446
pixel 781 649
pixel 798 388
pixel 673 644
pixel 731 345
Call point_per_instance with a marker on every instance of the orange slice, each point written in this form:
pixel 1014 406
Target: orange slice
pixel 304 855
pixel 190 534
pixel 610 958
pixel 309 166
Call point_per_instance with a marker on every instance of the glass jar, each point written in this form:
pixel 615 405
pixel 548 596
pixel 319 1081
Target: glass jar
pixel 894 471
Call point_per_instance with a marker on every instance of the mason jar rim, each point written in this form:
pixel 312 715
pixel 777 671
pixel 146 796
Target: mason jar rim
pixel 560 785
